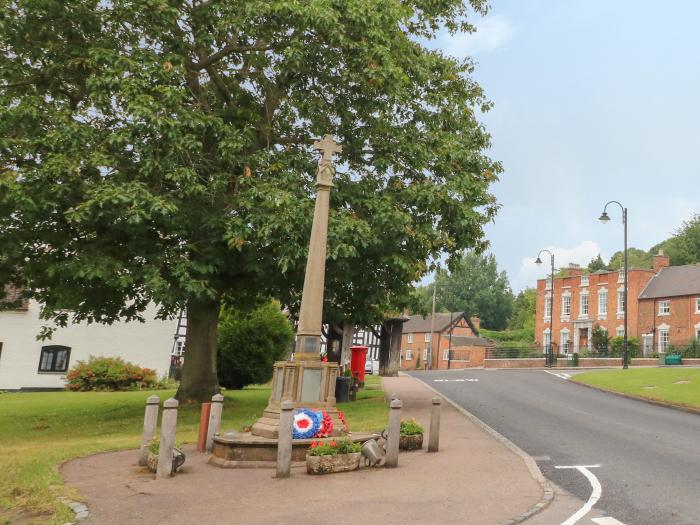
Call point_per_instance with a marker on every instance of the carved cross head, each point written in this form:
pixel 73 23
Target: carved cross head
pixel 327 147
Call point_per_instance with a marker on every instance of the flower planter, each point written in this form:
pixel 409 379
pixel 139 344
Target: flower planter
pixel 178 460
pixel 333 463
pixel 412 442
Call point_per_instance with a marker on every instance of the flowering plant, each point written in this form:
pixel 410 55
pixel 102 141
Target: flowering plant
pixel 410 427
pixel 341 416
pixel 333 447
pixel 326 427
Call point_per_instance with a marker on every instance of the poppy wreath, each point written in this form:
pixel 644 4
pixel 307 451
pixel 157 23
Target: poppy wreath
pixel 326 425
pixel 306 423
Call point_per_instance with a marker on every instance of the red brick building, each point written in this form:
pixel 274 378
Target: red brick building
pixel 669 307
pixel 467 349
pixel 664 306
pixel 580 301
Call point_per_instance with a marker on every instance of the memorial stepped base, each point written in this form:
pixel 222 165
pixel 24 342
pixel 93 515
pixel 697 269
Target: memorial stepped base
pixel 245 450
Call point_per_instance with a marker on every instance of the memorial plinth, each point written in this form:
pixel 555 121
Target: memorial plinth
pixel 308 384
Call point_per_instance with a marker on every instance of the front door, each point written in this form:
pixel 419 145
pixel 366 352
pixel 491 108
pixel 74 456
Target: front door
pixel 583 339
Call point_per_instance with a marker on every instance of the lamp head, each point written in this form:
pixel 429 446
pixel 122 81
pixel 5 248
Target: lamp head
pixel 538 261
pixel 604 217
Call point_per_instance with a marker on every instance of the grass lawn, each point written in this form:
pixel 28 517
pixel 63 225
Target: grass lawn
pixel 680 386
pixel 38 431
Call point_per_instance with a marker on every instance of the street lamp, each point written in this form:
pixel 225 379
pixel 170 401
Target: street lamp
pixel 604 217
pixel 550 353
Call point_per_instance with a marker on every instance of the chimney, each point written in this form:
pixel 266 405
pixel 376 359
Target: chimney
pixel 476 321
pixel 660 261
pixel 574 270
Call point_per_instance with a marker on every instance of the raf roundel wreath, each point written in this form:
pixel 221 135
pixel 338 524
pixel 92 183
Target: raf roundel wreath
pixel 306 423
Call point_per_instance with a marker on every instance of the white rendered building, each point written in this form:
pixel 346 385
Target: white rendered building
pixel 26 363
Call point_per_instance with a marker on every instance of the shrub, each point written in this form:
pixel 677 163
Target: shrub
pixel 333 447
pixel 617 343
pixel 249 343
pixel 410 427
pixel 110 373
pixel 417 362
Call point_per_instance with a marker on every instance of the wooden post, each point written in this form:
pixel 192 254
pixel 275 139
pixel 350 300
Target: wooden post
pixel 434 437
pixel 284 443
pixel 150 425
pixel 203 426
pixel 217 407
pixel 168 427
pixel 392 442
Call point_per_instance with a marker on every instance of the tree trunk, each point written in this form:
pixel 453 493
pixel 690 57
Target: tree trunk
pixel 348 333
pixel 333 340
pixel 390 347
pixel 199 379
pixel 384 343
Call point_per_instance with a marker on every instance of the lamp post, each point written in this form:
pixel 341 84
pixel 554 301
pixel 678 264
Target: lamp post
pixel 604 217
pixel 550 353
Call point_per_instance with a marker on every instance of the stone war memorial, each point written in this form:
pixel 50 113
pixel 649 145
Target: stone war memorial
pixel 304 380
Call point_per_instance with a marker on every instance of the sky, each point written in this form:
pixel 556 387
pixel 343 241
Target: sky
pixel 595 100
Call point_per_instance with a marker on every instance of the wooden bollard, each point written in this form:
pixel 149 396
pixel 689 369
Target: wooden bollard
pixel 217 407
pixel 394 434
pixel 434 437
pixel 168 427
pixel 284 443
pixel 150 425
pixel 203 426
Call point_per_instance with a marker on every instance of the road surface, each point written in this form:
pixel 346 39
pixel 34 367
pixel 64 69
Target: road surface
pixel 646 458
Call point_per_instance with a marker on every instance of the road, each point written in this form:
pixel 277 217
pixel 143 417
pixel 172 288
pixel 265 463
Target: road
pixel 647 457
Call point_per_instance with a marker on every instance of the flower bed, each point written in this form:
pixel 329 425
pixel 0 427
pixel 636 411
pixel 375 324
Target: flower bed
pixel 333 456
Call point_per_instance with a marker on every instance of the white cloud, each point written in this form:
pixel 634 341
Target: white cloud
pixel 493 32
pixel 530 272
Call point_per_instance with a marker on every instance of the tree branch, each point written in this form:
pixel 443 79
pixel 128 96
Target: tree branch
pixel 229 49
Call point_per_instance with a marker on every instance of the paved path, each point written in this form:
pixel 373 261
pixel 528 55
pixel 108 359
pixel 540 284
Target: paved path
pixel 474 479
pixel 647 458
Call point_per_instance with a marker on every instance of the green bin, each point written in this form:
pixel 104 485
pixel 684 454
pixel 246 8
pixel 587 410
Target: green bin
pixel 673 359
pixel 572 360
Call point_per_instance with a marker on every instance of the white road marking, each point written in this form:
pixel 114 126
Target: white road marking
pixel 607 521
pixel 454 380
pixel 595 494
pixel 560 375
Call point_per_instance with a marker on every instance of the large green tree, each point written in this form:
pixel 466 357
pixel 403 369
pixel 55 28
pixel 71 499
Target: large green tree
pixel 523 315
pixel 684 246
pixel 473 285
pixel 160 151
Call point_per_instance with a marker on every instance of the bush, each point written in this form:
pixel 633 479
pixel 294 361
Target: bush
pixel 110 373
pixel 249 343
pixel 410 427
pixel 617 343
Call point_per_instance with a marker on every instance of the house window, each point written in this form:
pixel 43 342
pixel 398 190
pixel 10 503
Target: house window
pixel 584 280
pixel 548 283
pixel 697 305
pixel 546 340
pixel 409 339
pixel 565 343
pixel 409 354
pixel 446 354
pixel 620 301
pixel 427 337
pixel 566 306
pixel 665 307
pixel 54 358
pixel 602 302
pixel 620 331
pixel 663 340
pixel 425 354
pixel 583 310
pixel 697 336
pixel 621 275
pixel 547 308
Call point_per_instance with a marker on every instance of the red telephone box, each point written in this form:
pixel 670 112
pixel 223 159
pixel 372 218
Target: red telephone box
pixel 358 358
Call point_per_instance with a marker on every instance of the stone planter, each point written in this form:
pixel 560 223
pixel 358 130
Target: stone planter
pixel 178 460
pixel 412 442
pixel 333 463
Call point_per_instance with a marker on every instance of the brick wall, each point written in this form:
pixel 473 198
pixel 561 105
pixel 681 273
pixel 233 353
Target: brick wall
pixel 683 321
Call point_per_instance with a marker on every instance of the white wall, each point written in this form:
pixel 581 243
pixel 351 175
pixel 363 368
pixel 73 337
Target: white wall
pixel 145 344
